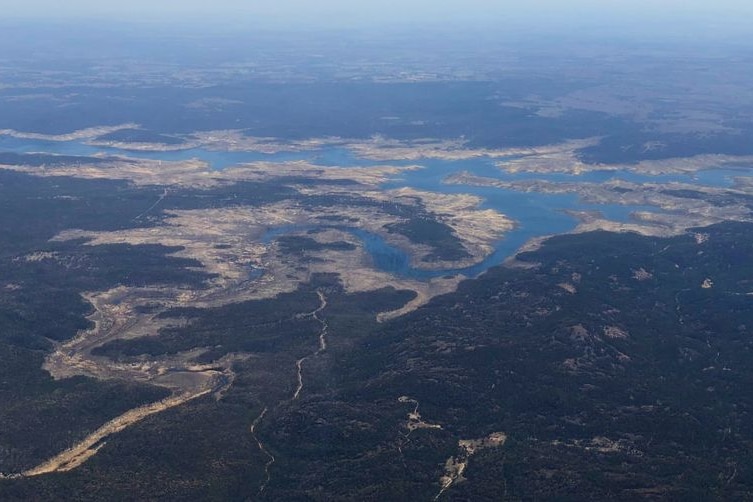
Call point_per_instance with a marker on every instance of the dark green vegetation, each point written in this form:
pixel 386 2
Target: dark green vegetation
pixel 40 302
pixel 46 160
pixel 719 200
pixel 635 386
pixel 619 367
pixel 445 110
pixel 40 298
pixel 300 111
pixel 34 209
pixel 494 89
pixel 139 136
pixel 435 234
pixel 462 92
pixel 299 245
pixel 258 327
pixel 630 146
pixel 421 226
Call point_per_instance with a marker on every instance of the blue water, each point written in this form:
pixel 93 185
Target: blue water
pixel 536 214
pixel 216 159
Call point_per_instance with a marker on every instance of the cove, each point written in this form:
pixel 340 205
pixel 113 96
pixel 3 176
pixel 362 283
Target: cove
pixel 536 214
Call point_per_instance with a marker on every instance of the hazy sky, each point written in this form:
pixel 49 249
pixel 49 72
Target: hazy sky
pixel 344 13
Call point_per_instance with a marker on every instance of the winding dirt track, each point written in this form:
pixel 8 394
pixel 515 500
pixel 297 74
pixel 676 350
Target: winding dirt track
pixel 263 449
pixel 322 342
pixel 84 450
pixel 299 367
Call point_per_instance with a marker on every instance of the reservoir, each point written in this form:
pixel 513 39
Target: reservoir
pixel 536 214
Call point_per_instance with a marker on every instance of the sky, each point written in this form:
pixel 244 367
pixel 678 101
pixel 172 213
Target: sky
pixel 377 10
pixel 360 13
